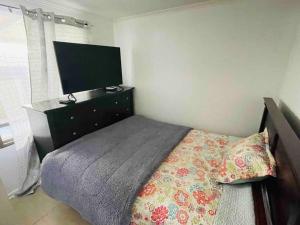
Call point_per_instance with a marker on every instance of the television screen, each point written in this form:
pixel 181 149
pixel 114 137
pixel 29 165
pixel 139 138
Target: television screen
pixel 85 67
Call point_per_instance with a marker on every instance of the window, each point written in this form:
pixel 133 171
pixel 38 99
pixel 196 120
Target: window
pixel 3 118
pixel 14 76
pixel 6 138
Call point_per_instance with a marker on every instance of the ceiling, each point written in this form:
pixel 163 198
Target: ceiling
pixel 123 8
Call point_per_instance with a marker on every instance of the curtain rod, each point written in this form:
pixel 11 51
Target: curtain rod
pixel 59 17
pixel 10 7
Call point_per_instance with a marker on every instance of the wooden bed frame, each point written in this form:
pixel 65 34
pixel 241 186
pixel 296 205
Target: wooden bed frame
pixel 277 200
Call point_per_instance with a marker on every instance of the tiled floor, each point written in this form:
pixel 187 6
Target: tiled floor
pixel 7 214
pixel 39 209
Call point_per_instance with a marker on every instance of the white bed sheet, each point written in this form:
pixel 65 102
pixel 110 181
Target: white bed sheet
pixel 236 206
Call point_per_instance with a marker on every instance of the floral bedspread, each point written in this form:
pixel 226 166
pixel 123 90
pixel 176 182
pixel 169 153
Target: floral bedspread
pixel 183 189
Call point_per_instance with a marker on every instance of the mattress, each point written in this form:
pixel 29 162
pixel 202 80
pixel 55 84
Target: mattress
pixel 236 204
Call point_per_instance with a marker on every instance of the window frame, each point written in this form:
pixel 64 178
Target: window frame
pixel 8 142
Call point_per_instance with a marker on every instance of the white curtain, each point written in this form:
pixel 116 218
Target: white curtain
pixel 42 83
pixel 42 28
pixel 15 92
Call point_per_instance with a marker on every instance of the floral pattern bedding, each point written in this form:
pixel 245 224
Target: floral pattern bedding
pixel 183 189
pixel 247 160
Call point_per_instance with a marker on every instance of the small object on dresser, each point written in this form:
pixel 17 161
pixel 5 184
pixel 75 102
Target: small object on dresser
pixel 71 100
pixel 113 89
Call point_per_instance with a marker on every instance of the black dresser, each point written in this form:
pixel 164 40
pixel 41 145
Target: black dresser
pixel 54 125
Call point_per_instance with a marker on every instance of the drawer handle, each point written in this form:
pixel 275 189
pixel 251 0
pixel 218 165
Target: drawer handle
pixel 72 117
pixel 116 102
pixel 127 109
pixel 96 124
pixel 94 110
pixel 74 133
pixel 117 114
pixel 127 98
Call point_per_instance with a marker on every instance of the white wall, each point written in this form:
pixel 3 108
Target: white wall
pixel 207 66
pixel 290 92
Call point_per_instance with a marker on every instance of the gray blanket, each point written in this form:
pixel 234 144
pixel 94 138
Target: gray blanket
pixel 100 174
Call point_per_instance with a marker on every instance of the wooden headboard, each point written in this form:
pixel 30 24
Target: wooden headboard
pixel 277 200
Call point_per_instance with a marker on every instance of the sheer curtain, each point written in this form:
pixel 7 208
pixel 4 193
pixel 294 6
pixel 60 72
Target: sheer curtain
pixel 42 28
pixel 18 87
pixel 15 90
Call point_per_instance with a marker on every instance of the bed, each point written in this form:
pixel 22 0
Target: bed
pixel 141 171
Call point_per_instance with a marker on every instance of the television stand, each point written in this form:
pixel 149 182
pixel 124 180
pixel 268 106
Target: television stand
pixel 71 99
pixel 54 125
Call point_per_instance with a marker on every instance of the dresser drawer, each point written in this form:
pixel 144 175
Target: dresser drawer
pixel 118 107
pixel 68 116
pixel 62 136
pixel 122 104
pixel 78 114
pixel 122 100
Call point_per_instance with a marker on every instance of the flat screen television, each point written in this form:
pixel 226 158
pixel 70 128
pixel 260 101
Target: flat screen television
pixel 85 67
